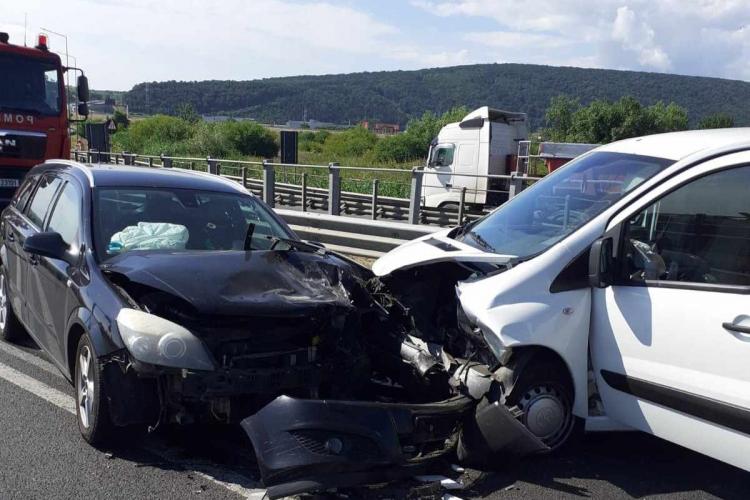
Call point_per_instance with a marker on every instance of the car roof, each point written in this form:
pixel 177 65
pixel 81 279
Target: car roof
pixel 679 145
pixel 106 175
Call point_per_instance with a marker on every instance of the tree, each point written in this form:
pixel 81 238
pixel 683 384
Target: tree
pixel 121 119
pixel 559 117
pixel 186 111
pixel 716 120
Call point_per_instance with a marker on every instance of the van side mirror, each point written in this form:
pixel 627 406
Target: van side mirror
pixel 83 88
pixel 83 109
pixel 601 263
pixel 48 244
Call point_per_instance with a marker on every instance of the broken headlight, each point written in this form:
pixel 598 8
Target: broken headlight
pixel 157 341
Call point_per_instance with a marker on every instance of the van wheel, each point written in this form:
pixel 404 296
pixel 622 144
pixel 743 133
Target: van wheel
pixel 92 409
pixel 11 329
pixel 542 399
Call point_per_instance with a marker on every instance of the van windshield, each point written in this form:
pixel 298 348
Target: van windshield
pixel 559 204
pixel 29 84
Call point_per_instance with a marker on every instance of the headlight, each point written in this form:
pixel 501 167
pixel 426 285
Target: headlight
pixel 157 341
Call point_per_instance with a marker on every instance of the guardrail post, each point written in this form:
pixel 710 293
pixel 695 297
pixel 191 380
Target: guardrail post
pixel 165 161
pixel 304 191
pixel 127 158
pixel 374 207
pixel 244 177
pixel 461 204
pixel 93 156
pixel 269 179
pixel 334 189
pixel 415 195
pixel 151 162
pixel 516 185
pixel 213 165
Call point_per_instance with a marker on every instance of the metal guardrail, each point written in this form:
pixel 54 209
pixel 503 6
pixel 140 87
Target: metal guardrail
pixel 374 193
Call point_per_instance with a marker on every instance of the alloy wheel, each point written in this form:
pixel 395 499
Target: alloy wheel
pixel 85 387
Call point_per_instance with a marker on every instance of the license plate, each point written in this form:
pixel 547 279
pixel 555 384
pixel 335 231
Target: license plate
pixel 9 183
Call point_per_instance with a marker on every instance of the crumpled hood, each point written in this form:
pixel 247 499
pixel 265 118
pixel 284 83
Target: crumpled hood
pixel 430 249
pixel 267 283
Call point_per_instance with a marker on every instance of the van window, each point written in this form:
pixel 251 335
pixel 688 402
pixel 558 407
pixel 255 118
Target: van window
pixel 698 233
pixel 442 156
pixel 24 192
pixel 42 199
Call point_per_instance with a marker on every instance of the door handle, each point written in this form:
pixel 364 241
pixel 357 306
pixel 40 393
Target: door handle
pixel 736 328
pixel 11 236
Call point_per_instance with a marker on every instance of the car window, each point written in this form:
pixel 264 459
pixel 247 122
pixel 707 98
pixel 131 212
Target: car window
pixel 149 219
pixel 698 233
pixel 24 192
pixel 42 198
pixel 66 215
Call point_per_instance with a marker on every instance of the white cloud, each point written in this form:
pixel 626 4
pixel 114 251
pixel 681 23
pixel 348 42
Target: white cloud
pixel 638 36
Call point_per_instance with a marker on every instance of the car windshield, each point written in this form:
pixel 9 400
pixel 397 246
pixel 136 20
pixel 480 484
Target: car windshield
pixel 29 84
pixel 557 205
pixel 165 219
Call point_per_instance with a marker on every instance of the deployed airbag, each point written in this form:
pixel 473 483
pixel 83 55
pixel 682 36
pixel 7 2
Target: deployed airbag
pixel 149 236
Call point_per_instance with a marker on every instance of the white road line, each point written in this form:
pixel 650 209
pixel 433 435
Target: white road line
pixel 67 403
pixel 32 385
pixel 26 356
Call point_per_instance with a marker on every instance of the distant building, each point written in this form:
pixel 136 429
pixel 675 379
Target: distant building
pixel 311 124
pixel 381 128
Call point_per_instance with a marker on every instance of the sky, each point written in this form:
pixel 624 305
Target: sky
pixel 119 43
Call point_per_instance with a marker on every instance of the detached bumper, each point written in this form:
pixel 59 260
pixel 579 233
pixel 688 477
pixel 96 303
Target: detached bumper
pixel 313 445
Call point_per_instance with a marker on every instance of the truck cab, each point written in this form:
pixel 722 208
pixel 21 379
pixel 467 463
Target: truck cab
pixel 463 153
pixel 34 117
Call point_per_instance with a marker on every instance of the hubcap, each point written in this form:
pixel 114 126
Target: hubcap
pixel 85 386
pixel 547 414
pixel 3 303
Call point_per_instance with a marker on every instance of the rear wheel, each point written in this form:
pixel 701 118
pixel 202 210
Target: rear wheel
pixel 542 399
pixel 11 329
pixel 91 396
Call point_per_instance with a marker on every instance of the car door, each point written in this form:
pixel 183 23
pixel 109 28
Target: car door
pixel 670 339
pixel 438 175
pixel 36 214
pixel 15 224
pixel 50 280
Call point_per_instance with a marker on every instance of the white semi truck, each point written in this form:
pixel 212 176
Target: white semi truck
pixel 484 142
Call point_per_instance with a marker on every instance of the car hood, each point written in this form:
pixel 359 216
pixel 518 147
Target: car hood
pixel 430 249
pixel 243 283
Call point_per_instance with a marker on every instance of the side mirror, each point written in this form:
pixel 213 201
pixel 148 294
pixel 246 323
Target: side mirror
pixel 83 109
pixel 47 244
pixel 83 88
pixel 601 263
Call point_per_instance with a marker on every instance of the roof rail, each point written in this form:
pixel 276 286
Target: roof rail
pixel 80 166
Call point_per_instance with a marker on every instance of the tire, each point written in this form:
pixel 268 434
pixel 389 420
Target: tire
pixel 92 409
pixel 11 329
pixel 542 400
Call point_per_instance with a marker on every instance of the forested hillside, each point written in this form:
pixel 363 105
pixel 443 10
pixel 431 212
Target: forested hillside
pixel 397 96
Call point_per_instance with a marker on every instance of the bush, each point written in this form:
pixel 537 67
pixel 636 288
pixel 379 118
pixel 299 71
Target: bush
pixel 717 120
pixel 352 142
pixel 250 138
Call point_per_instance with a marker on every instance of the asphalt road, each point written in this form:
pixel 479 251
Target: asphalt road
pixel 43 456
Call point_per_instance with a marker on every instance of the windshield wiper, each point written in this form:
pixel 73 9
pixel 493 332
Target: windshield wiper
pixel 481 241
pixel 295 244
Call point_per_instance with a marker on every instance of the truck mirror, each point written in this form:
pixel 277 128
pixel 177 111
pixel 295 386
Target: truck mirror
pixel 601 263
pixel 83 109
pixel 83 89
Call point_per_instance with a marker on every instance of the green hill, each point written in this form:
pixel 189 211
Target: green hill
pixel 397 96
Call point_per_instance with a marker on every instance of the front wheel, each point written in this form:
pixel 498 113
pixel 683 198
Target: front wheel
pixel 91 396
pixel 542 399
pixel 11 329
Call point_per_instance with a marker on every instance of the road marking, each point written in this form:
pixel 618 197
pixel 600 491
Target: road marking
pixel 31 359
pixel 32 385
pixel 66 402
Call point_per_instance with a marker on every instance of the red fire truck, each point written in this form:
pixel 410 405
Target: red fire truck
pixel 34 116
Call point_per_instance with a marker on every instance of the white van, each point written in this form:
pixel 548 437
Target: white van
pixel 484 142
pixel 615 292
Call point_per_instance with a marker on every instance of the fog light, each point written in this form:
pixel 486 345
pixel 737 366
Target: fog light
pixel 334 446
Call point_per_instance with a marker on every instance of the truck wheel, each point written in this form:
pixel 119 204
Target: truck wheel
pixel 11 329
pixel 542 399
pixel 91 396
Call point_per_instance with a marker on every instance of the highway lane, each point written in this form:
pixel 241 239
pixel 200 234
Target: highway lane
pixel 43 456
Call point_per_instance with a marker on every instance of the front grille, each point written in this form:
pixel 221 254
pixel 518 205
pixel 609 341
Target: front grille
pixel 22 145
